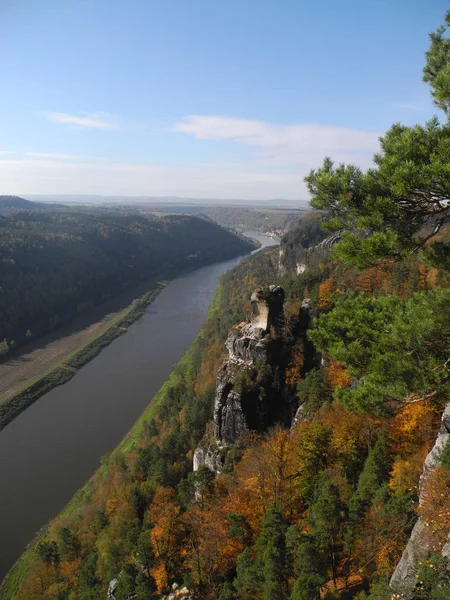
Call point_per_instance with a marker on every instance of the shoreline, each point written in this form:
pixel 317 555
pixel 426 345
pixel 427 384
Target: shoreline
pixel 69 365
pixel 16 573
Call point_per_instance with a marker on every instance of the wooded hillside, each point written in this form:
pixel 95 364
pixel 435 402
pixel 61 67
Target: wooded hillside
pixel 323 509
pixel 54 265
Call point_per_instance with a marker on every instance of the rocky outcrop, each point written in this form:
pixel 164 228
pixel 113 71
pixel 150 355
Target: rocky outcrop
pixel 178 593
pixel 249 345
pixel 418 546
pixel 250 390
pixel 112 589
pixel 296 257
pixel 239 405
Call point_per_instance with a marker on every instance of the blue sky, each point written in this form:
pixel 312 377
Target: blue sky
pixel 203 98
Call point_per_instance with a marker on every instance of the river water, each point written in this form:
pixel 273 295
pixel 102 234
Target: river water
pixel 51 449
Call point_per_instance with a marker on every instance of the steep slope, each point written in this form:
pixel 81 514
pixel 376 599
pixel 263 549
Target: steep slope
pixel 254 442
pixel 55 265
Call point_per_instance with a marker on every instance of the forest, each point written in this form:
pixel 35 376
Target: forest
pixel 262 219
pixel 54 265
pixel 322 509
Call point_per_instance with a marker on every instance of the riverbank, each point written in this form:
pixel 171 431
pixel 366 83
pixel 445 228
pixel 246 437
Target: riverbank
pixel 18 572
pixel 55 358
pixel 202 354
pixel 66 363
pixel 52 448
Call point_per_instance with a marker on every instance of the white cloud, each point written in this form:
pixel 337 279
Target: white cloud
pixel 200 181
pixel 85 120
pixel 5 152
pixel 303 144
pixel 58 156
pixel 274 165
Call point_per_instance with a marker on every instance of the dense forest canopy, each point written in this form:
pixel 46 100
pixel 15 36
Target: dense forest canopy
pixel 54 265
pixel 276 220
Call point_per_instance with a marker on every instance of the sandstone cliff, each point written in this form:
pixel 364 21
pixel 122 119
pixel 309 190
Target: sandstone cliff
pixel 418 546
pixel 246 382
pixel 251 393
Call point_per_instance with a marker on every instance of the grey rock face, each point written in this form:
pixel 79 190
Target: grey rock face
pixel 307 314
pixel 229 418
pixel 208 456
pixel 300 268
pixel 417 550
pixel 247 344
pixel 178 593
pixel 112 588
pixel 418 546
pixel 267 308
pixel 298 417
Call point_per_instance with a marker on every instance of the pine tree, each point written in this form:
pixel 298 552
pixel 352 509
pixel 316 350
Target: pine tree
pixel 145 587
pixel 309 569
pixel 246 582
pixel 271 551
pixel 327 518
pixel 437 69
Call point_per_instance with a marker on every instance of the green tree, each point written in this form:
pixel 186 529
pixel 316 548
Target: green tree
pixel 314 390
pixel 48 552
pixel 380 213
pixel 126 585
pixel 271 555
pixel 145 587
pixel 198 486
pixel 100 521
pixel 327 518
pixel 393 209
pixel 309 569
pixel 239 528
pixel 437 69
pixel 395 350
pixel 4 348
pixel 313 454
pixel 375 472
pixel 433 580
pixel 246 582
pixel 145 551
pixel 227 592
pixel 68 544
pixel 129 535
pixel 89 581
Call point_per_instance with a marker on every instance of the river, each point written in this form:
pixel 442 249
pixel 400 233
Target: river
pixel 51 449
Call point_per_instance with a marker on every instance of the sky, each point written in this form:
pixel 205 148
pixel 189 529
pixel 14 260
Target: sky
pixel 227 99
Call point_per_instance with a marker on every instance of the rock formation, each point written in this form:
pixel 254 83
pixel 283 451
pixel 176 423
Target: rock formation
pixel 238 405
pixel 250 389
pixel 311 357
pixel 418 546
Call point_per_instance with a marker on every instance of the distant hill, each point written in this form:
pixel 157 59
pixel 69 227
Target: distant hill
pixel 97 199
pixel 13 204
pixel 55 264
pixel 9 204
